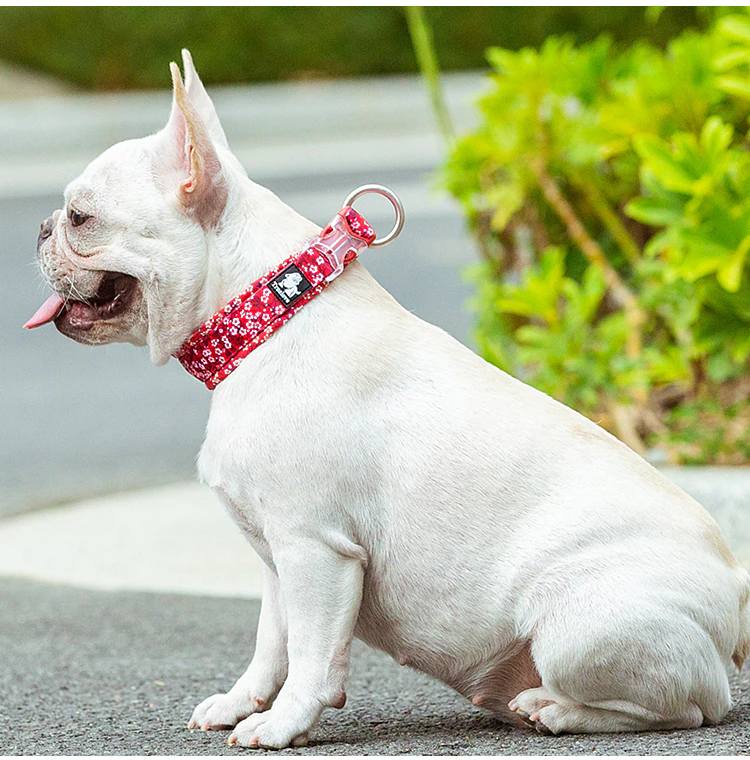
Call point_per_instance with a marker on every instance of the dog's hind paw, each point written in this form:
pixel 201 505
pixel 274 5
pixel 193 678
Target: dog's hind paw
pixel 527 706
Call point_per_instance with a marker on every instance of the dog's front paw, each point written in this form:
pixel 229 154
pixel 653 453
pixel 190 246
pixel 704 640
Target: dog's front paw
pixel 224 711
pixel 276 729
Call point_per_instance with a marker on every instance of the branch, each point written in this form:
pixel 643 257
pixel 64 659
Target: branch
pixel 625 427
pixel 610 220
pixel 595 256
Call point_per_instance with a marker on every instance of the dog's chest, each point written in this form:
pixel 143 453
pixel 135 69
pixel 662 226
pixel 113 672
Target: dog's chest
pixel 228 464
pixel 246 520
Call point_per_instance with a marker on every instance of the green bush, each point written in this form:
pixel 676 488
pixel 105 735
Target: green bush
pixel 610 192
pixel 111 47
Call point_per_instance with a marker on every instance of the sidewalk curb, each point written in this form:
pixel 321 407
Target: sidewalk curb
pixel 172 539
pixel 178 539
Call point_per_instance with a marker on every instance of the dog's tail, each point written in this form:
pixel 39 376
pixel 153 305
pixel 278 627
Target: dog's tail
pixel 742 652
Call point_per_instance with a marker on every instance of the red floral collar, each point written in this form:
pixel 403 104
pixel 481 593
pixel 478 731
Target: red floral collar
pixel 218 346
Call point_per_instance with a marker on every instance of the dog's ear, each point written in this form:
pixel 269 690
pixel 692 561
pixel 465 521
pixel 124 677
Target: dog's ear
pixel 203 104
pixel 192 163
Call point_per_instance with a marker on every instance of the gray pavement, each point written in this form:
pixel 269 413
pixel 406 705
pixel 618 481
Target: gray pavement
pixel 96 673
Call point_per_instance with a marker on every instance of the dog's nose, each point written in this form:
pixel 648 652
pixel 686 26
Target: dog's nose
pixel 46 230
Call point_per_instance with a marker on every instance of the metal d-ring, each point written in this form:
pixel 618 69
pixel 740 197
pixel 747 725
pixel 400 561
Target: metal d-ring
pixel 395 201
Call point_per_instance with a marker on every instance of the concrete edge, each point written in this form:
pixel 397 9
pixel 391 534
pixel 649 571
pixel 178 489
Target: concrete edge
pixel 176 539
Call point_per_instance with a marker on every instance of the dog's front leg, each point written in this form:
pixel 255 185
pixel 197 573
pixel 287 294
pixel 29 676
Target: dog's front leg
pixel 322 589
pixel 259 685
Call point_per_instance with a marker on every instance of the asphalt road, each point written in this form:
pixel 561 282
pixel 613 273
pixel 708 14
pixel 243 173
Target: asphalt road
pixel 97 673
pixel 79 421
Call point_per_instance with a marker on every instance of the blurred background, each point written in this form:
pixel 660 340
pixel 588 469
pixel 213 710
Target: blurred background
pixel 107 49
pixel 315 101
pixel 576 183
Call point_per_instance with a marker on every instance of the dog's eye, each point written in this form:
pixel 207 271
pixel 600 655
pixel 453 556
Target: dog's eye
pixel 77 218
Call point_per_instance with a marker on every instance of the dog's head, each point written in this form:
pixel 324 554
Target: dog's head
pixel 127 255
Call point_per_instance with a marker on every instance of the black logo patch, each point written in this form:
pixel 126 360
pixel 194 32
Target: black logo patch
pixel 289 285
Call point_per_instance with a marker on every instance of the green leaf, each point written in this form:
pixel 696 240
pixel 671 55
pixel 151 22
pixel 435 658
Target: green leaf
pixel 539 291
pixel 655 211
pixel 521 305
pixel 716 136
pixel 735 27
pixel 719 367
pixel 668 365
pixel 506 198
pixel 659 243
pixel 731 59
pixel 533 335
pixel 735 86
pixel 656 155
pixel 701 254
pixel 730 275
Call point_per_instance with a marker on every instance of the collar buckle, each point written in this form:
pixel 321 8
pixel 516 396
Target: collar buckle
pixel 339 244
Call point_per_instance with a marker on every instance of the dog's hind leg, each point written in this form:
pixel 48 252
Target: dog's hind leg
pixel 626 671
pixel 550 714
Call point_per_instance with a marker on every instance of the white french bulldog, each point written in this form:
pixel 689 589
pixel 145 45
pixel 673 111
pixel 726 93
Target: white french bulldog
pixel 398 488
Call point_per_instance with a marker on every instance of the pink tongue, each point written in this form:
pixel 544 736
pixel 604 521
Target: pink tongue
pixel 46 312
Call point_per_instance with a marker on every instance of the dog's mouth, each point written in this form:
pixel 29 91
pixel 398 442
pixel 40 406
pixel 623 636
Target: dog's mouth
pixel 113 296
